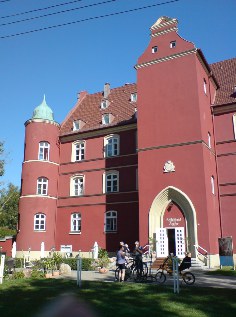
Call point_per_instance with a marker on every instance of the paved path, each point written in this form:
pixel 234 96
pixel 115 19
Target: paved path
pixel 202 279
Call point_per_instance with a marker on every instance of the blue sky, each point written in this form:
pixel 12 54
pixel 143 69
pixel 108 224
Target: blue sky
pixel 62 61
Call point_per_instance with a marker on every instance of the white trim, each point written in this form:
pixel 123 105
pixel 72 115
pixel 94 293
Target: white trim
pixel 159 205
pixel 234 124
pixel 41 181
pixel 73 151
pixel 166 58
pixel 213 185
pixel 110 217
pixel 41 161
pixel 43 220
pixel 44 147
pixel 174 29
pixel 38 196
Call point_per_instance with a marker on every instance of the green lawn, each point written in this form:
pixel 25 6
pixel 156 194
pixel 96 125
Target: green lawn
pixel 225 271
pixel 24 298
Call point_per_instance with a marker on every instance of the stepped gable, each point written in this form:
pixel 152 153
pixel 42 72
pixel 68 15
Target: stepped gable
pixel 88 109
pixel 225 73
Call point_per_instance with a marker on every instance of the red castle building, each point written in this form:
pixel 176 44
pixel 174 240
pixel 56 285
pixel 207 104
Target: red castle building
pixel 152 159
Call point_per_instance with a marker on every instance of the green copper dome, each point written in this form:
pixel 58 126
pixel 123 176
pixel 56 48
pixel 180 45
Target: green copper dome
pixel 43 111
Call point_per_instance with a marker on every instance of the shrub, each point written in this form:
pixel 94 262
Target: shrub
pixel 37 274
pixel 18 275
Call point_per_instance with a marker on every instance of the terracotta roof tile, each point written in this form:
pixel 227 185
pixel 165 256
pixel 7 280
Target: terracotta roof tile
pixel 88 109
pixel 225 73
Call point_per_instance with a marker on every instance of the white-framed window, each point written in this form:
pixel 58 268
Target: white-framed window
pixel 111 182
pixel 204 86
pixel 209 139
pixel 66 249
pixel 77 185
pixel 112 145
pixel 78 150
pixel 111 221
pixel 234 124
pixel 44 148
pixel 154 49
pixel 42 186
pixel 172 44
pixel 106 118
pixel 76 125
pixel 133 97
pixel 104 104
pixel 213 185
pixel 75 225
pixel 39 222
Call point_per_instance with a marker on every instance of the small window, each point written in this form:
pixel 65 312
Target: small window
pixel 111 221
pixel 39 222
pixel 75 222
pixel 213 185
pixel 42 186
pixel 154 49
pixel 104 104
pixel 76 125
pixel 106 119
pixel 205 86
pixel 44 151
pixel 111 182
pixel 209 139
pixel 133 97
pixel 77 186
pixel 172 44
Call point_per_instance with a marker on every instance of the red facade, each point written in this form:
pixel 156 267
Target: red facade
pixel 159 167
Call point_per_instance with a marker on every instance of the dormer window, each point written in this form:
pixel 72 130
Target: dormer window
pixel 78 124
pixel 172 44
pixel 104 104
pixel 133 97
pixel 106 119
pixel 154 49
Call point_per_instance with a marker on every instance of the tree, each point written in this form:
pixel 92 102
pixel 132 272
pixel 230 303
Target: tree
pixel 2 162
pixel 9 199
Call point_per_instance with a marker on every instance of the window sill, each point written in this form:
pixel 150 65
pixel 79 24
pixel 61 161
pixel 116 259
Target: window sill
pixel 75 232
pixel 39 230
pixel 106 232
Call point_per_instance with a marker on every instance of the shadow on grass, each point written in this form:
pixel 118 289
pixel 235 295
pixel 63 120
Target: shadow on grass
pixel 25 298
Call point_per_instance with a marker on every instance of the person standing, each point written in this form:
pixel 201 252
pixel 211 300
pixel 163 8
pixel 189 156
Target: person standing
pixel 138 252
pixel 120 259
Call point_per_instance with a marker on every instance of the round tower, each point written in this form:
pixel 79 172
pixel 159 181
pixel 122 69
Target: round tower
pixel 39 182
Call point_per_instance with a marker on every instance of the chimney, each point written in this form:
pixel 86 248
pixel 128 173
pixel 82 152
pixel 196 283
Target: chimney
pixel 106 90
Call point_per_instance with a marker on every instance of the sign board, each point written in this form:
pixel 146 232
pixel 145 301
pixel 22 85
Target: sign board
pixel 226 251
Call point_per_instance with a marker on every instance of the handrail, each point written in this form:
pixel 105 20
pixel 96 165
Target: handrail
pixel 204 255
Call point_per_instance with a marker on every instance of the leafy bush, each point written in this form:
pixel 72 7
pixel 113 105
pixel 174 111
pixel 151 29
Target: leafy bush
pixel 71 261
pixel 4 231
pixel 37 274
pixel 18 275
pixel 86 263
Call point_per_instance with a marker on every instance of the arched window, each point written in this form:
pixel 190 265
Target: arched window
pixel 209 139
pixel 42 186
pixel 234 124
pixel 112 145
pixel 78 149
pixel 77 185
pixel 75 222
pixel 111 182
pixel 213 185
pixel 39 222
pixel 111 221
pixel 44 148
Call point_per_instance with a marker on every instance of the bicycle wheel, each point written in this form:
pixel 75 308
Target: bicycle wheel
pixel 188 278
pixel 160 277
pixel 117 274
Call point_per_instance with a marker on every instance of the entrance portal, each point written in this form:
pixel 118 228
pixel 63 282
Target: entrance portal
pixel 171 241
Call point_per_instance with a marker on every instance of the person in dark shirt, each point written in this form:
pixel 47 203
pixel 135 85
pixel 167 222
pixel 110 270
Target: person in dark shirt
pixel 138 252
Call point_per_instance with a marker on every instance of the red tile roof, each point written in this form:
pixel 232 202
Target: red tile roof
pixel 225 73
pixel 88 109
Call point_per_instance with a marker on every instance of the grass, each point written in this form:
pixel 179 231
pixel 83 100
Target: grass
pixel 225 271
pixel 26 297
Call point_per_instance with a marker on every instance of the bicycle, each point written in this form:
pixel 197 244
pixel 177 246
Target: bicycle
pixel 132 272
pixel 187 277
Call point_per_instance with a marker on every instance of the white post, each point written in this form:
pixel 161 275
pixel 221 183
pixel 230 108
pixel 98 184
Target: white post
pixel 2 268
pixel 95 250
pixel 13 250
pixel 176 274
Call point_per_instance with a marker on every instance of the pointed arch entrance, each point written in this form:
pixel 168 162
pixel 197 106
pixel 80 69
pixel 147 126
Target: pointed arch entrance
pixel 156 215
